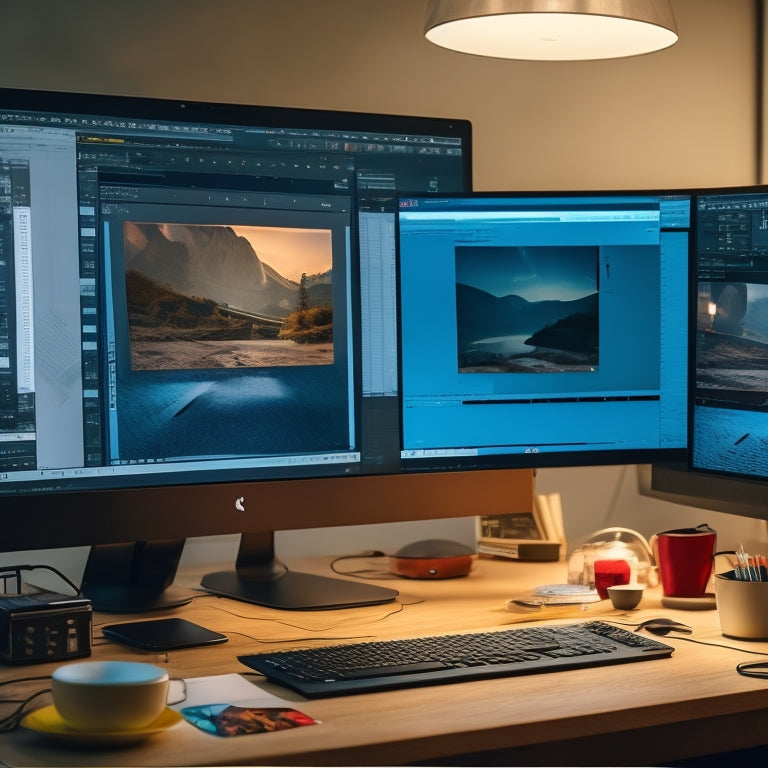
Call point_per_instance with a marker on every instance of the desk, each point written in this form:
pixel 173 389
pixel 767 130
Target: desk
pixel 646 713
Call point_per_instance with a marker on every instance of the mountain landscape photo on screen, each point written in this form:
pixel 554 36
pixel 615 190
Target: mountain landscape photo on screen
pixel 531 309
pixel 732 344
pixel 214 296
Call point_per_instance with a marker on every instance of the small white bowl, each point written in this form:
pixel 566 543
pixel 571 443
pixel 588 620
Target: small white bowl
pixel 625 597
pixel 101 696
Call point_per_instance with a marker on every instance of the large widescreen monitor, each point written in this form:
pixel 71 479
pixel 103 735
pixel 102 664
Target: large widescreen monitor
pixel 543 329
pixel 198 335
pixel 727 468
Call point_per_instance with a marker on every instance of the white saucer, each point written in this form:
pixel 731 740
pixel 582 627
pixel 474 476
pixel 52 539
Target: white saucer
pixel 49 722
pixel 703 603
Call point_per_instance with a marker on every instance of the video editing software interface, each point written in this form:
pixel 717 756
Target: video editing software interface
pixel 182 296
pixel 730 403
pixel 541 330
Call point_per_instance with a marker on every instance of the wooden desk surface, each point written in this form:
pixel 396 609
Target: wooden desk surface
pixel 647 713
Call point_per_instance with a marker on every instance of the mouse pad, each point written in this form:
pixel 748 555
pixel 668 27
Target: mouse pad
pixel 231 720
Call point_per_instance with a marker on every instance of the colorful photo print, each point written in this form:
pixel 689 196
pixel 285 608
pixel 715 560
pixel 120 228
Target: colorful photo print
pixel 231 720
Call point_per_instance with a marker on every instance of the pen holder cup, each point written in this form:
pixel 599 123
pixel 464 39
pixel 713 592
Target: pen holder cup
pixel 742 607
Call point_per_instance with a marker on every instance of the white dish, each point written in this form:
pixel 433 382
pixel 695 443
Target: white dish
pixel 704 603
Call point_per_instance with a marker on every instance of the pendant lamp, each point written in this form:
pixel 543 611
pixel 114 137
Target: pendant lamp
pixel 551 30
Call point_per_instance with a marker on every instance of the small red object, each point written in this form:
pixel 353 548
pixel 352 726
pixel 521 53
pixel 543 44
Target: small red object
pixel 609 573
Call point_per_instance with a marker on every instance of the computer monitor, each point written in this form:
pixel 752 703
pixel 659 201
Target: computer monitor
pixel 198 335
pixel 542 330
pixel 727 469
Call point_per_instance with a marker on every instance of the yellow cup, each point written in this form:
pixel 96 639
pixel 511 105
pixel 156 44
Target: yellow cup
pixel 101 696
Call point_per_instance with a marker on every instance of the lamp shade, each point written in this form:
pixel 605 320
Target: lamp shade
pixel 553 30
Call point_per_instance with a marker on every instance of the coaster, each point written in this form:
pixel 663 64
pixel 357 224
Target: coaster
pixel 704 603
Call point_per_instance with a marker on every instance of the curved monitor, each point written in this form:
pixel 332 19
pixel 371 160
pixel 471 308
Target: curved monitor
pixel 198 333
pixel 543 329
pixel 727 469
pixel 730 366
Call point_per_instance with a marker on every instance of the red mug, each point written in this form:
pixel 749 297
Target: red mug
pixel 685 558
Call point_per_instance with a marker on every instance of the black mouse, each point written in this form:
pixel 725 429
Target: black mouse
pixel 664 627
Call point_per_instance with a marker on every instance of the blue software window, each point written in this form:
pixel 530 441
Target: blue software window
pixel 543 329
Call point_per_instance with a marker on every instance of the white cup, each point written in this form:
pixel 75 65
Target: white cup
pixel 625 597
pixel 102 696
pixel 742 607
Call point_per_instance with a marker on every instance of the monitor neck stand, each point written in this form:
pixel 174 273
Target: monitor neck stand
pixel 134 577
pixel 260 578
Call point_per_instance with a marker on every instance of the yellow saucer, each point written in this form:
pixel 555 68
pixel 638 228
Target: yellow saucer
pixel 48 722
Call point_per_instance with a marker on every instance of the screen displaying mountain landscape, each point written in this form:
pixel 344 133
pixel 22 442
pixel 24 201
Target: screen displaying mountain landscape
pixel 222 327
pixel 211 296
pixel 732 344
pixel 527 310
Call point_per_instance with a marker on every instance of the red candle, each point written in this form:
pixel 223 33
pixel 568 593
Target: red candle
pixel 608 573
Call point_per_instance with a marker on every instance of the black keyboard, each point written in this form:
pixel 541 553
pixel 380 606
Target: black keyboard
pixel 379 665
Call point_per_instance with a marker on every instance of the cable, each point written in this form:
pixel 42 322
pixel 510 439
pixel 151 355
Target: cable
pixel 752 669
pixel 11 721
pixel 14 571
pixel 742 665
pixel 369 573
pixel 719 645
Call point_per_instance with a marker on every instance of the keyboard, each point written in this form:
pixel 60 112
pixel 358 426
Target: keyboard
pixel 380 665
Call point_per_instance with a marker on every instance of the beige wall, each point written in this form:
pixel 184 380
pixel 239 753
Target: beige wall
pixel 686 116
pixel 682 117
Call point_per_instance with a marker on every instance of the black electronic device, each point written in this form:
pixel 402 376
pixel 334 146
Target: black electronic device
pixel 162 634
pixel 203 338
pixel 727 468
pixel 201 334
pixel 729 426
pixel 402 663
pixel 44 626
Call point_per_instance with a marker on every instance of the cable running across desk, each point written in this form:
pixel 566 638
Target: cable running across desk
pixel 379 665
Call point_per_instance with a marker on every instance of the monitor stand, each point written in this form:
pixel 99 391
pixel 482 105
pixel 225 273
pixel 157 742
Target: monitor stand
pixel 134 577
pixel 260 578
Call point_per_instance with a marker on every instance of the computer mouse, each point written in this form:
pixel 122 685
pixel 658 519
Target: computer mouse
pixel 433 559
pixel 664 627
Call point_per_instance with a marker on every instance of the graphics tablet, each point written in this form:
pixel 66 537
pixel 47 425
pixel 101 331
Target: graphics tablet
pixel 162 634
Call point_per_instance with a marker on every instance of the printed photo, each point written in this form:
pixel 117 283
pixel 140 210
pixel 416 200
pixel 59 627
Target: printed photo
pixel 231 720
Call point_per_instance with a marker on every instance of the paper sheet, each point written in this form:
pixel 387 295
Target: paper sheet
pixel 234 689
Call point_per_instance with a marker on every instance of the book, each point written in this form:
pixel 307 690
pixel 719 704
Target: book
pixel 537 535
